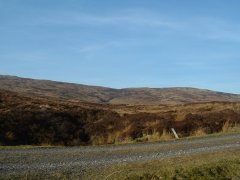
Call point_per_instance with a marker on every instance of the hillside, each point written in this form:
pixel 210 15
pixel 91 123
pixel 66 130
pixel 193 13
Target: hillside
pixel 103 95
pixel 50 121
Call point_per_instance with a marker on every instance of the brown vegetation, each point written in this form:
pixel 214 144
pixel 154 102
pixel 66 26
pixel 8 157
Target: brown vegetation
pixel 39 120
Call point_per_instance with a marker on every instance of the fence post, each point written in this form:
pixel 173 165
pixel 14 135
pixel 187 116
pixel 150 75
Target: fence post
pixel 174 132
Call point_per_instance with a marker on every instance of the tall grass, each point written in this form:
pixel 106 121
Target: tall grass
pixel 230 127
pixel 124 136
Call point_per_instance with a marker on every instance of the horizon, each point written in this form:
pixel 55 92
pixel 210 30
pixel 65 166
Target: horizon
pixel 184 87
pixel 123 44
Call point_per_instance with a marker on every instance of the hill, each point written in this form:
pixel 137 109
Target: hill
pixel 50 121
pixel 103 95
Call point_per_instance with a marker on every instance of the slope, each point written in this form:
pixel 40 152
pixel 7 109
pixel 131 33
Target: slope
pixel 103 95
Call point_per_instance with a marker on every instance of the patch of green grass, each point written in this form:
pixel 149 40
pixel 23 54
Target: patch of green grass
pixel 199 166
pixel 25 147
pixel 18 147
pixel 227 169
pixel 42 176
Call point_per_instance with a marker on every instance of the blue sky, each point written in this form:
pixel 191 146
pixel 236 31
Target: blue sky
pixel 127 43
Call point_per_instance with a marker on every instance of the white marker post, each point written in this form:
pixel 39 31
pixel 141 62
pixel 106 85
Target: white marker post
pixel 174 132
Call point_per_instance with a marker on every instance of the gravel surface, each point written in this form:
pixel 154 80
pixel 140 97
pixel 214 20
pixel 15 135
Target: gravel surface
pixel 47 159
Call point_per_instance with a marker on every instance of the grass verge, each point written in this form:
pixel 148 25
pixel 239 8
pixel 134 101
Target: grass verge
pixel 18 147
pixel 225 169
pixel 218 165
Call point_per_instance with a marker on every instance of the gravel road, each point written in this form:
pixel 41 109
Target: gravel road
pixel 47 159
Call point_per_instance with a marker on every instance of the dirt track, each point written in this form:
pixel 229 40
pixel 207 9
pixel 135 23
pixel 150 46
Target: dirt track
pixel 82 159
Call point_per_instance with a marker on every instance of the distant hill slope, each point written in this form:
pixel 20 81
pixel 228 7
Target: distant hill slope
pixel 105 95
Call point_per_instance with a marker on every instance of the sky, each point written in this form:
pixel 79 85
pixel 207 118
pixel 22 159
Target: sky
pixel 120 44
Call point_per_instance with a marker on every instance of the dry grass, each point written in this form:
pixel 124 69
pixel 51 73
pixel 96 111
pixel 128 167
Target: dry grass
pixel 155 136
pixel 114 137
pixel 97 140
pixel 199 132
pixel 166 135
pixel 180 116
pixel 126 140
pixel 230 127
pixel 226 126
